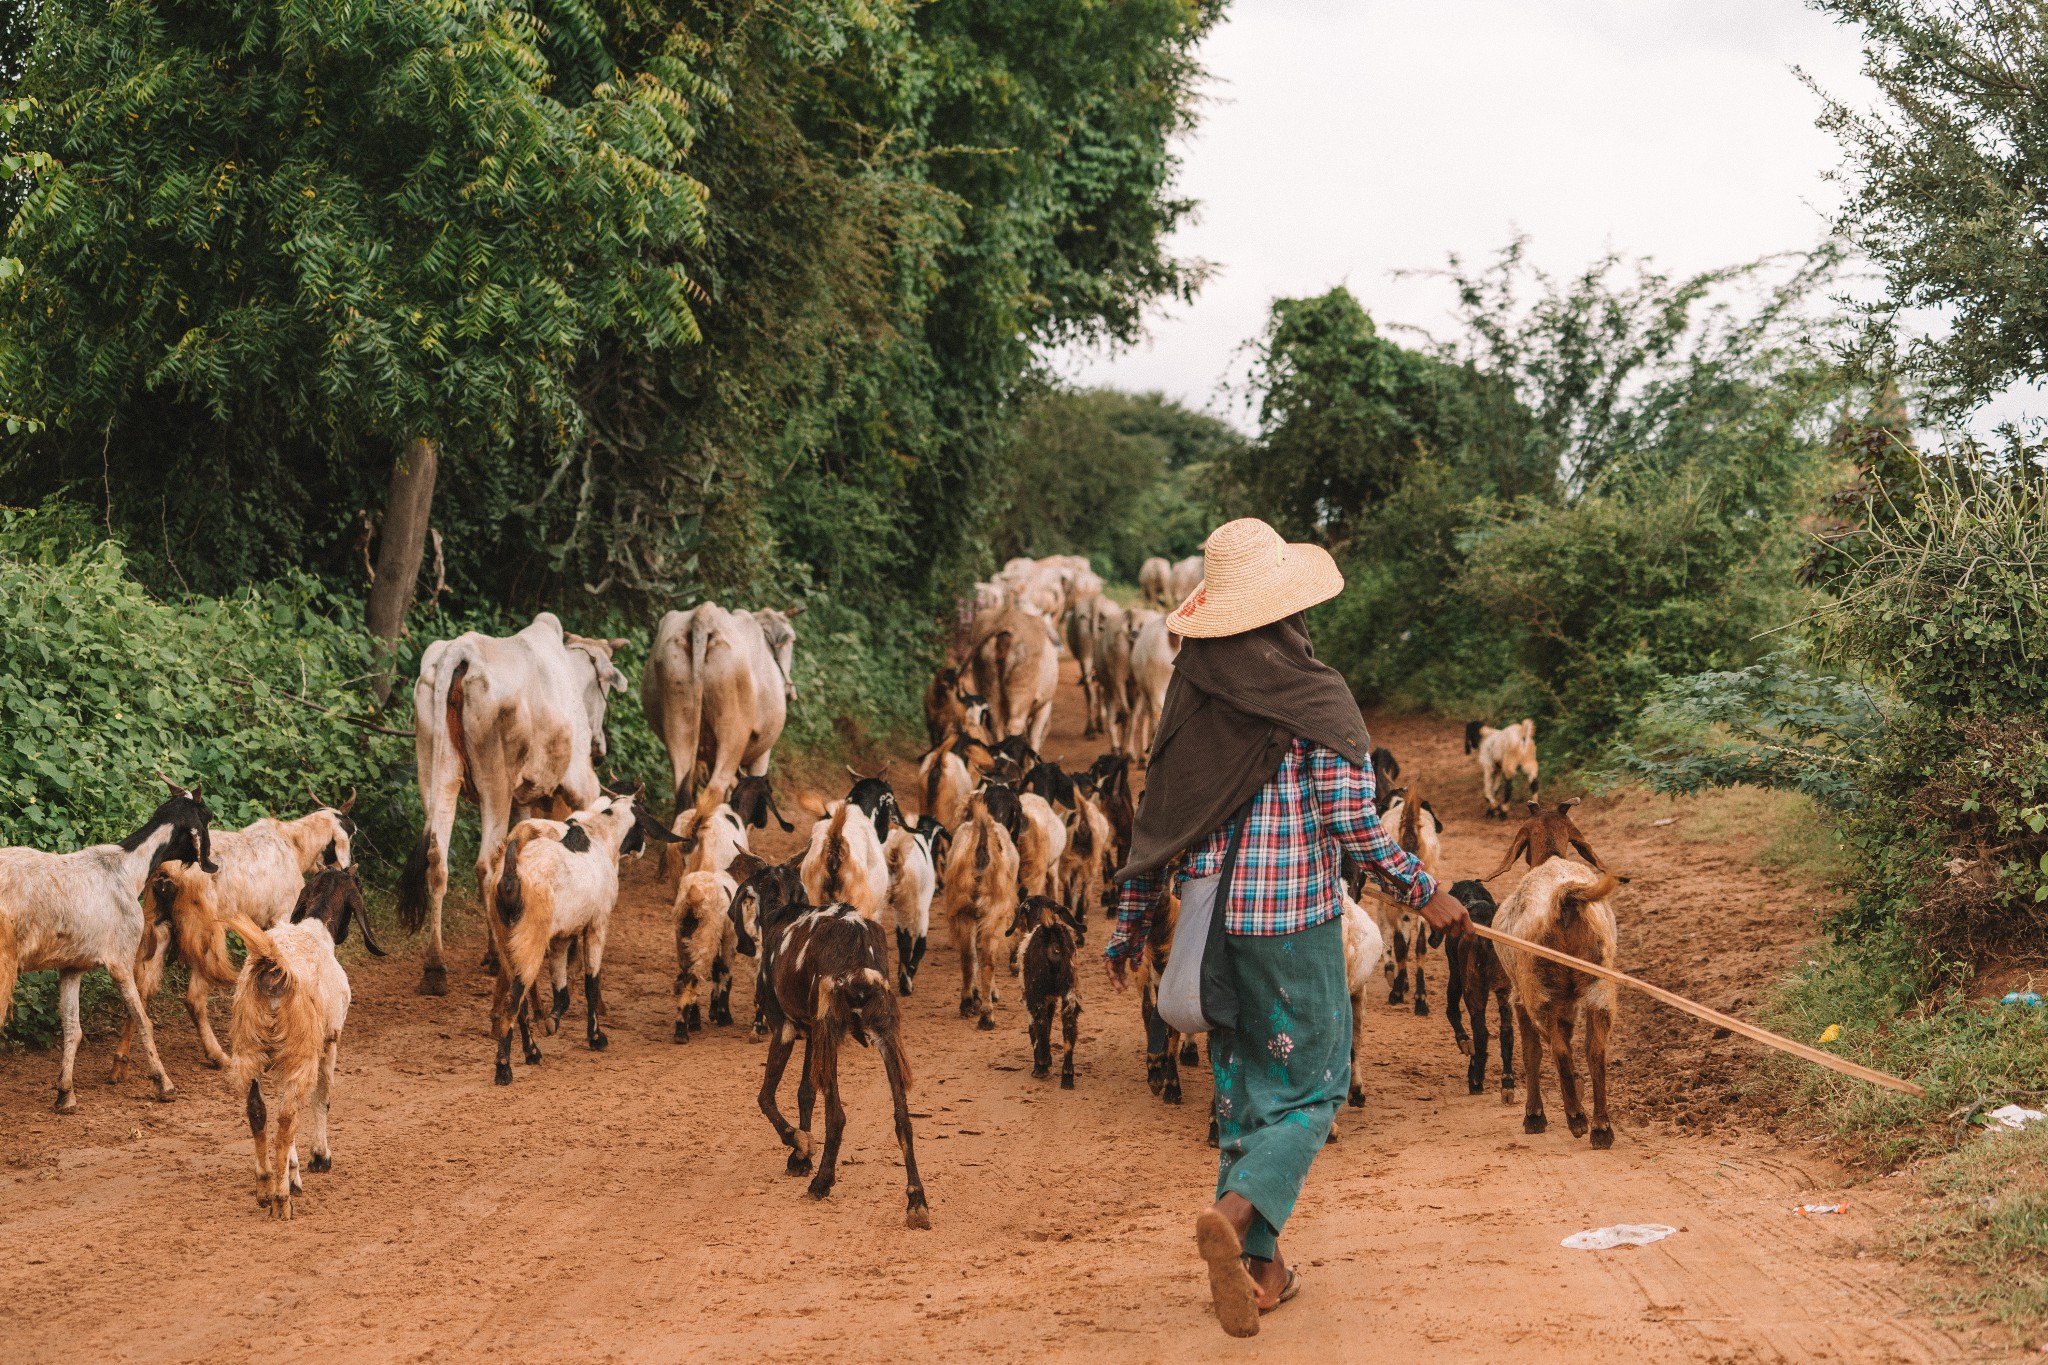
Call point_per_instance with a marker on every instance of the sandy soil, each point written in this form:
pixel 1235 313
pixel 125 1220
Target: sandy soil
pixel 631 1205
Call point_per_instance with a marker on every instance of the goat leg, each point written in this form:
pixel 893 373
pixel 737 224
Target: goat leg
pixel 1533 1118
pixel 1454 996
pixel 196 991
pixel 721 991
pixel 67 1010
pixel 523 1006
pixel 1598 1022
pixel 780 1045
pixel 917 1212
pixel 505 1000
pixel 124 978
pixel 1557 1035
pixel 323 1095
pixel 1355 1097
pixel 1398 994
pixel 1070 1027
pixel 593 1006
pixel 1041 1038
pixel 282 1186
pixel 1475 1070
pixel 821 1072
pixel 1507 1050
pixel 1169 1088
pixel 259 1133
pixel 806 1101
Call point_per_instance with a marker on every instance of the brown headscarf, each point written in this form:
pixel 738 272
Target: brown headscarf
pixel 1235 705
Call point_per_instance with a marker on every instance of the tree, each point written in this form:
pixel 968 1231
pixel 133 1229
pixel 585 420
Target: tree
pixel 1949 181
pixel 337 240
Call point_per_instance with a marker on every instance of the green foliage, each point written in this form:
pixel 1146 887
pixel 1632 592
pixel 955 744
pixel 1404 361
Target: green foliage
pixel 1950 173
pixel 1120 477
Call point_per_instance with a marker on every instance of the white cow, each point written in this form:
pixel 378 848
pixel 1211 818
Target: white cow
pixel 1187 576
pixel 1016 666
pixel 717 690
pixel 515 725
pixel 1153 650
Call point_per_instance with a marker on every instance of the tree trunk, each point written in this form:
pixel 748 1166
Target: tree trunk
pixel 401 544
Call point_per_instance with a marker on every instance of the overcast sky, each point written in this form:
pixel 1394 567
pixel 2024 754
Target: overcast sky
pixel 1341 140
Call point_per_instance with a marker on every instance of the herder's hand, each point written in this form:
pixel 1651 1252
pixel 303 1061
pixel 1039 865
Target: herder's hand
pixel 1116 967
pixel 1447 913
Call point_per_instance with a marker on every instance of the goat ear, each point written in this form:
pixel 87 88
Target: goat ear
pixel 743 867
pixel 652 829
pixel 812 803
pixel 1535 808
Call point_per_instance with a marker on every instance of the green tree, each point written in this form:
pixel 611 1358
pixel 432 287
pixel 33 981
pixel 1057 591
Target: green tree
pixel 1949 180
pixel 340 241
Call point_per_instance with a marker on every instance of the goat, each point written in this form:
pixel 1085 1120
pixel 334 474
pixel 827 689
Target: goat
pixel 821 979
pixel 912 855
pixel 1402 929
pixel 1085 866
pixel 705 949
pixel 714 834
pixel 291 1001
pixel 1163 1042
pixel 944 707
pixel 262 869
pixel 1502 754
pixel 1364 946
pixel 947 775
pixel 1475 974
pixel 1386 770
pixel 71 912
pixel 845 860
pixel 979 902
pixel 1051 934
pixel 1547 834
pixel 1110 776
pixel 547 891
pixel 1562 905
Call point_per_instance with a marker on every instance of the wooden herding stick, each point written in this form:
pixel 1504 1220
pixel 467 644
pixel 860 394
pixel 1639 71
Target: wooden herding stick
pixel 1726 1021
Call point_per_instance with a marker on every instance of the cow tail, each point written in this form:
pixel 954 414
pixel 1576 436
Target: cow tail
pixel 689 724
pixel 999 698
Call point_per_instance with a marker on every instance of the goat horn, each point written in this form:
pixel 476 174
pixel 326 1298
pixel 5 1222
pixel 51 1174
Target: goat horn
pixel 345 807
pixel 168 783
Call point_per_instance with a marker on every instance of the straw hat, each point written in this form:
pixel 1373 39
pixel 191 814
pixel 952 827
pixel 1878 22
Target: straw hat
pixel 1251 578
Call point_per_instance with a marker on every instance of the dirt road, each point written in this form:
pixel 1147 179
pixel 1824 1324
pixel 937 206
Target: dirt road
pixel 631 1205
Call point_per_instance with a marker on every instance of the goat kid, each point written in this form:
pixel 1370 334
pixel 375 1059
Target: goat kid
pixel 71 912
pixel 1476 973
pixel 706 949
pixel 1417 830
pixel 912 853
pixel 1502 754
pixel 822 979
pixel 1052 935
pixel 1363 948
pixel 291 1001
pixel 712 836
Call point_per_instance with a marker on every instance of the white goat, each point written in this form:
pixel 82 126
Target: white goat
pixel 1363 947
pixel 707 948
pixel 1415 828
pixel 1502 754
pixel 291 1002
pixel 71 912
pixel 912 855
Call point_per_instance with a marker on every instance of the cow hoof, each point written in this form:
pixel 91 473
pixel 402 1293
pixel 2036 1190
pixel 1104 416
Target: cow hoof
pixel 1577 1124
pixel 986 1024
pixel 433 980
pixel 1534 1123
pixel 67 1102
pixel 1356 1099
pixel 503 1075
pixel 682 1032
pixel 320 1164
pixel 1603 1138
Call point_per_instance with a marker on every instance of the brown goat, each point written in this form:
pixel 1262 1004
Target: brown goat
pixel 978 902
pixel 823 978
pixel 1052 939
pixel 1547 834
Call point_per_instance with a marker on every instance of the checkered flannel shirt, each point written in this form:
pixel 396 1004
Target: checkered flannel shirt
pixel 1316 811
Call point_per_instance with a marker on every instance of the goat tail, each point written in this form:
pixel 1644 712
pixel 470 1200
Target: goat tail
pixel 1577 896
pixel 835 852
pixel 266 964
pixel 510 901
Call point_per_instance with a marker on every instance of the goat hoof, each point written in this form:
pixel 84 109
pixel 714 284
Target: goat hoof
pixel 1603 1138
pixel 797 1165
pixel 1066 1080
pixel 919 1215
pixel 298 1186
pixel 1534 1123
pixel 1577 1124
pixel 532 1056
pixel 1475 1085
pixel 902 986
pixel 433 981
pixel 503 1076
pixel 489 966
pixel 1171 1094
pixel 1465 1046
pixel 1356 1099
pixel 1039 1073
pixel 1190 1055
pixel 599 1042
pixel 67 1102
pixel 165 1091
pixel 967 1009
pixel 1421 1008
pixel 682 1032
pixel 986 1024
pixel 1507 1094
pixel 819 1186
pixel 263 1200
pixel 321 1163
pixel 217 1063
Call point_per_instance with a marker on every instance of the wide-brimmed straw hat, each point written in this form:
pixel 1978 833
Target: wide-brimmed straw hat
pixel 1252 577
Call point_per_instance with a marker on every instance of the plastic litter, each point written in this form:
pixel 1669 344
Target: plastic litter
pixel 2013 1116
pixel 1621 1234
pixel 1830 1033
pixel 1808 1210
pixel 1667 820
pixel 2032 998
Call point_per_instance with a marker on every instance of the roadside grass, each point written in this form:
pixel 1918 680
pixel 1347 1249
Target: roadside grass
pixel 1796 840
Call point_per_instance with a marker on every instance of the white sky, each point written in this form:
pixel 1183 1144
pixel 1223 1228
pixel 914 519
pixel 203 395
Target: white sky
pixel 1345 139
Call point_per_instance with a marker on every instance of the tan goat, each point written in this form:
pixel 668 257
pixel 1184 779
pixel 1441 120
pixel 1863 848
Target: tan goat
pixel 979 903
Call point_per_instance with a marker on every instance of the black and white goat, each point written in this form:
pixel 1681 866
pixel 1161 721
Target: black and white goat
pixel 71 912
pixel 913 855
pixel 822 978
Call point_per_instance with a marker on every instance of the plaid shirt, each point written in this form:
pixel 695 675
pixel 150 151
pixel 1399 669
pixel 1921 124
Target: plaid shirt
pixel 1316 811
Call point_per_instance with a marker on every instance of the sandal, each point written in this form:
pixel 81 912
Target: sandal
pixel 1287 1291
pixel 1231 1287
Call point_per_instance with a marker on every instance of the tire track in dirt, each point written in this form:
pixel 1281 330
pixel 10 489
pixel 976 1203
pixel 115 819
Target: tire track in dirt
pixel 630 1205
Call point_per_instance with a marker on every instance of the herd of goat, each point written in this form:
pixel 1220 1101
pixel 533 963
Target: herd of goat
pixel 1009 853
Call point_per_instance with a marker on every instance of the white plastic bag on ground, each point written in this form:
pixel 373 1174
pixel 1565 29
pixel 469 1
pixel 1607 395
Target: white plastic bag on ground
pixel 1621 1234
pixel 2013 1116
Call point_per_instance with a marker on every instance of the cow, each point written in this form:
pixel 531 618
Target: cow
pixel 1155 582
pixel 1187 576
pixel 1016 666
pixel 1084 621
pixel 515 725
pixel 717 690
